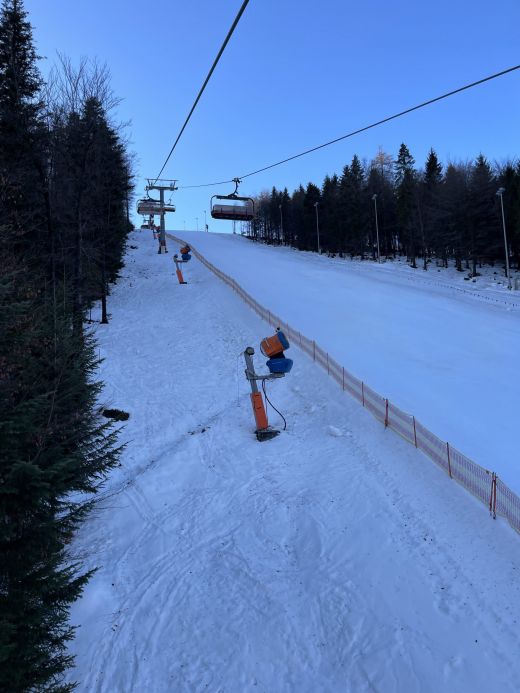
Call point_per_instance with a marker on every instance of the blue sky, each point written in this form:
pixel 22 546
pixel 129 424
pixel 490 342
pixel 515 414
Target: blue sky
pixel 296 73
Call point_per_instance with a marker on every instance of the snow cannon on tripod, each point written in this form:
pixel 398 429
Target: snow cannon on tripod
pixel 278 365
pixel 185 257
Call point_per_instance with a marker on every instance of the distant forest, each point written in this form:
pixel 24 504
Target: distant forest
pixel 448 212
pixel 65 181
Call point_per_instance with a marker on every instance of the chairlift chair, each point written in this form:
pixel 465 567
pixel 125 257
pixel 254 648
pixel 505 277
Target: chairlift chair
pixel 233 207
pixel 150 206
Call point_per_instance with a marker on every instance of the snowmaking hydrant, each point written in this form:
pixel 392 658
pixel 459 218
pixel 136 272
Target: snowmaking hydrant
pixel 278 365
pixel 185 257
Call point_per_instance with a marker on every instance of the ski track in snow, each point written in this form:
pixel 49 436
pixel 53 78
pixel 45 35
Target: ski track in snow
pixel 333 558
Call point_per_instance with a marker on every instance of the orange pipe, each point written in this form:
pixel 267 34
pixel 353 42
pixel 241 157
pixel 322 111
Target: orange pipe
pixel 259 411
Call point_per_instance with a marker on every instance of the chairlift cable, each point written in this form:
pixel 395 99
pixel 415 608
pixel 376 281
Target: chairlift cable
pixel 367 127
pixel 385 120
pixel 221 51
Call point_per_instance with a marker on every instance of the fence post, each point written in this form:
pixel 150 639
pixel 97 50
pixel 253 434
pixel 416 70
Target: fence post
pixel 343 378
pixel 328 372
pixel 269 318
pixel 313 350
pixel 386 414
pixel 449 461
pixel 493 496
pixel 300 338
pixel 363 393
pixel 414 432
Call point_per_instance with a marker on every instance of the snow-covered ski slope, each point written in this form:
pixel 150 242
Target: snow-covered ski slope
pixel 333 558
pixel 439 348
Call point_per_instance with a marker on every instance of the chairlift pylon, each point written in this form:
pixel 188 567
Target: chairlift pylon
pixel 237 208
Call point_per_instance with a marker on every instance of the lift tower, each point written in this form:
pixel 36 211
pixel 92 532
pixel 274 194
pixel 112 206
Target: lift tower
pixel 162 184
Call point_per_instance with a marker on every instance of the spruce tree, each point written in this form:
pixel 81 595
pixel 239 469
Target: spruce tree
pixel 285 203
pixel 454 203
pixel 430 196
pixel 357 207
pixel 405 190
pixel 52 442
pixel 484 223
pixel 509 178
pixel 309 239
pixel 329 212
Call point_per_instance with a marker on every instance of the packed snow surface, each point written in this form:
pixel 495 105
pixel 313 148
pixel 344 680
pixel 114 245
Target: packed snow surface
pixel 440 348
pixel 333 558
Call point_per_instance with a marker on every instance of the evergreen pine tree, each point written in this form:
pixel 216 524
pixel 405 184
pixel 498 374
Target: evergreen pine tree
pixel 405 190
pixel 285 215
pixel 51 440
pixel 430 198
pixel 454 204
pixel 484 223
pixel 309 239
pixel 329 213
pixel 509 178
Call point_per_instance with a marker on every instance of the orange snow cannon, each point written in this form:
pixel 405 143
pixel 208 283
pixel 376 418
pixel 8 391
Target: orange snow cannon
pixel 278 365
pixel 273 347
pixel 185 253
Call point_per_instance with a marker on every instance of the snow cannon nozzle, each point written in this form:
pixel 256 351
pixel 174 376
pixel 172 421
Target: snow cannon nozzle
pixel 185 253
pixel 273 347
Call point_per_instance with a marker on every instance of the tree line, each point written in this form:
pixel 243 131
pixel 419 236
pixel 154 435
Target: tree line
pixel 65 181
pixel 447 212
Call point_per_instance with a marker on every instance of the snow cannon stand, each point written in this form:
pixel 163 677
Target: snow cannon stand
pixel 178 270
pixel 278 365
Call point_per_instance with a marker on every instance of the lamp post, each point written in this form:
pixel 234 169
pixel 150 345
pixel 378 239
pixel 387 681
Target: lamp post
pixel 500 193
pixel 184 225
pixel 205 222
pixel 197 220
pixel 317 226
pixel 281 222
pixel 374 197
